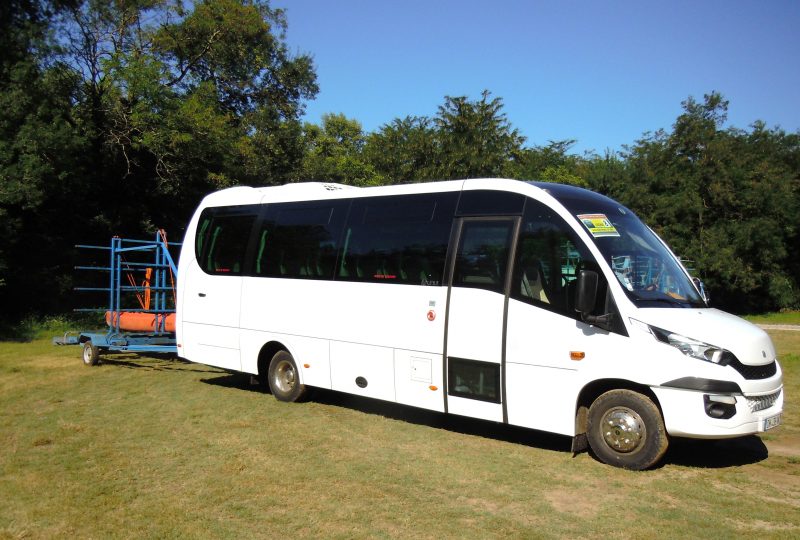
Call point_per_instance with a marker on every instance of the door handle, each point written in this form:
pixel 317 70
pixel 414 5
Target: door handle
pixel 201 294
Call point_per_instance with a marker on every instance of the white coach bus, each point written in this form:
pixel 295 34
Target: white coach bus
pixel 534 304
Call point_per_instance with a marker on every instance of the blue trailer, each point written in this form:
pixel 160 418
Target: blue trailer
pixel 140 288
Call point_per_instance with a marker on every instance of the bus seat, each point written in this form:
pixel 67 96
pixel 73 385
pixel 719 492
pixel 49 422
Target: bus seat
pixel 532 283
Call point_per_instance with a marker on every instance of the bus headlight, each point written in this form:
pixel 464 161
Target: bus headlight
pixel 688 346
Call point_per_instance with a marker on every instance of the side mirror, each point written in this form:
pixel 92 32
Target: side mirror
pixel 586 297
pixel 586 293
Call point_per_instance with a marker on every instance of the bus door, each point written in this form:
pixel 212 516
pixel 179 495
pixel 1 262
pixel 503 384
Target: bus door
pixel 476 317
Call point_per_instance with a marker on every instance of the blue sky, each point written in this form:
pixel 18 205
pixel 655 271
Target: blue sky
pixel 600 72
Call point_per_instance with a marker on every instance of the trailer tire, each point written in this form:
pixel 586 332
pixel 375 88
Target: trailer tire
pixel 625 429
pixel 284 379
pixel 91 354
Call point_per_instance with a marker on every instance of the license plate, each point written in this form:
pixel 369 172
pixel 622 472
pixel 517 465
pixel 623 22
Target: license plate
pixel 772 421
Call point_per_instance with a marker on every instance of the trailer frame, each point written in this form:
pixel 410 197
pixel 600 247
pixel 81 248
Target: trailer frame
pixel 161 272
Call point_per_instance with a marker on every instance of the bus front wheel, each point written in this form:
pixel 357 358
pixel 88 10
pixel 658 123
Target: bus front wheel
pixel 625 429
pixel 284 380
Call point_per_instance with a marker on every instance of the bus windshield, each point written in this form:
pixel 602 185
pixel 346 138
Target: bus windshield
pixel 646 269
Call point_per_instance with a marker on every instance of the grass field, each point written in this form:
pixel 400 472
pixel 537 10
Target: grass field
pixel 778 317
pixel 153 447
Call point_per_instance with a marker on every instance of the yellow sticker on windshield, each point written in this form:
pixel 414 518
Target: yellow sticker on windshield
pixel 598 225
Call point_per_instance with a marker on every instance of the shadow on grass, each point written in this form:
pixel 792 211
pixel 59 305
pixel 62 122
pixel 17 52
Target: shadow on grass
pixel 706 454
pixel 413 415
pixel 235 379
pixel 716 454
pixel 154 362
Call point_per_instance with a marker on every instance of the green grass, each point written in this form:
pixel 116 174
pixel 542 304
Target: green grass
pixel 151 447
pixel 781 317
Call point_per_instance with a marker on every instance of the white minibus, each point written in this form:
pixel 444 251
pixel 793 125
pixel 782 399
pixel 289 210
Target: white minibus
pixel 533 304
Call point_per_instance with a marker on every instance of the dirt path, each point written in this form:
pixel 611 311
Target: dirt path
pixel 795 327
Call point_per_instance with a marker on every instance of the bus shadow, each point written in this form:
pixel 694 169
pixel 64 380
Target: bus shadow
pixel 716 454
pixel 412 415
pixel 448 422
pixel 705 454
pixel 235 379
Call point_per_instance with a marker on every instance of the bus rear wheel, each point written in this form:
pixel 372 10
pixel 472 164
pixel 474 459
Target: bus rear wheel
pixel 284 379
pixel 626 430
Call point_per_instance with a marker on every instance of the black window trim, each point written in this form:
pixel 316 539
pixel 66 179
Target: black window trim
pixel 453 362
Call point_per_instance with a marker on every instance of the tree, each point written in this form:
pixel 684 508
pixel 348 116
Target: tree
pixel 725 198
pixel 334 153
pixel 404 150
pixel 39 149
pixel 119 116
pixel 551 163
pixel 475 138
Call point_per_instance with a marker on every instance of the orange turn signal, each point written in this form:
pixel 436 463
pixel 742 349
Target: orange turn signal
pixel 306 366
pixel 434 388
pixel 577 355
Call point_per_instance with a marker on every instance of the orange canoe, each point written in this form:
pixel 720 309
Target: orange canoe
pixel 140 322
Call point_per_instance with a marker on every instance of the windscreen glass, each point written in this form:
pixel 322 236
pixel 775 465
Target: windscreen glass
pixel 644 267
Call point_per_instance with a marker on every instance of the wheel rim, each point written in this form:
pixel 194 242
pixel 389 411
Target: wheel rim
pixel 87 355
pixel 623 429
pixel 284 377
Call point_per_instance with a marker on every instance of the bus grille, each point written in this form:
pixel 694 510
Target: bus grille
pixel 759 403
pixel 754 372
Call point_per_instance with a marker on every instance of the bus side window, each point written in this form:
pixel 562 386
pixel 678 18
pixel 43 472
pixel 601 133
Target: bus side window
pixel 548 257
pixel 483 254
pixel 299 240
pixel 224 246
pixel 397 239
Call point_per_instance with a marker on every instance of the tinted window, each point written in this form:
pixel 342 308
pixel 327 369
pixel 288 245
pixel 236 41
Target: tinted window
pixel 487 202
pixel 222 237
pixel 397 239
pixel 299 240
pixel 482 254
pixel 549 255
pixel 473 379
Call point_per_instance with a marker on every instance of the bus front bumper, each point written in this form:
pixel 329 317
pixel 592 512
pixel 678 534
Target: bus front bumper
pixel 707 415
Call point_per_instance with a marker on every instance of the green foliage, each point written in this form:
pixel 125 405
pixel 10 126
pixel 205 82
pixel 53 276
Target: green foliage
pixel 725 198
pixel 118 117
pixel 405 150
pixel 475 138
pixel 334 153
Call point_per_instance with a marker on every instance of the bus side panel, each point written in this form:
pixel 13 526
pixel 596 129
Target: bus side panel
pixel 361 369
pixel 541 398
pixel 418 379
pixel 375 318
pixel 315 354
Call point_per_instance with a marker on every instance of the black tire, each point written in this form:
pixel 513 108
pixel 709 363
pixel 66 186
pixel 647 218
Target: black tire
pixel 90 354
pixel 626 430
pixel 284 379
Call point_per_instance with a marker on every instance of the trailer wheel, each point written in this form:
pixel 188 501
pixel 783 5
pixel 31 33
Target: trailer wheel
pixel 91 354
pixel 625 429
pixel 284 380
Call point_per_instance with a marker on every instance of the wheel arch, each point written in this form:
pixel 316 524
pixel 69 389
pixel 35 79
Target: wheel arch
pixel 594 389
pixel 268 350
